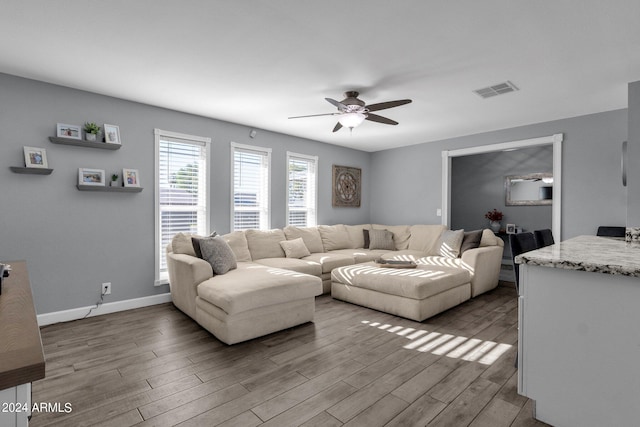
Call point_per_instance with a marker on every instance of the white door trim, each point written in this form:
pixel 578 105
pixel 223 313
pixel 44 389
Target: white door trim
pixel 555 140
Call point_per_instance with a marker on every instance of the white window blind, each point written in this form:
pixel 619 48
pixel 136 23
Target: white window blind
pixel 250 187
pixel 302 186
pixel 182 202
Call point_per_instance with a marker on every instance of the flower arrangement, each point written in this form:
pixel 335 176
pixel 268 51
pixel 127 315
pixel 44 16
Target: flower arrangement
pixel 494 215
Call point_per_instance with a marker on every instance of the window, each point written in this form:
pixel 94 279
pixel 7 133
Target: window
pixel 250 199
pixel 181 194
pixel 302 183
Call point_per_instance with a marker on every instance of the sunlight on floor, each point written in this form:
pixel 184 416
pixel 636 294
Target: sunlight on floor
pixel 456 347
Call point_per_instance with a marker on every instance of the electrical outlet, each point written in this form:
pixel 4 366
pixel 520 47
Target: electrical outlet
pixel 106 288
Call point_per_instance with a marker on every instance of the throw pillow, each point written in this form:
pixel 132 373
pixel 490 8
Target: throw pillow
pixel 217 252
pixel 381 239
pixel 181 244
pixel 295 248
pixel 450 242
pixel 367 242
pixel 471 240
pixel 195 243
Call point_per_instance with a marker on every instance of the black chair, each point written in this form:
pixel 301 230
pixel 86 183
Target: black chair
pixel 519 244
pixel 606 231
pixel 543 238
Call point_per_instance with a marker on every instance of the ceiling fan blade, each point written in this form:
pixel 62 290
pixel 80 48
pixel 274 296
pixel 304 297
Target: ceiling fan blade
pixel 388 104
pixel 339 105
pixel 337 127
pixel 380 119
pixel 314 115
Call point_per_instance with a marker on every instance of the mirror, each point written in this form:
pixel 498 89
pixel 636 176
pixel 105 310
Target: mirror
pixel 535 189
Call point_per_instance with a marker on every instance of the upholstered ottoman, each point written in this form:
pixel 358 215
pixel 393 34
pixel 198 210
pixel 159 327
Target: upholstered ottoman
pixel 416 294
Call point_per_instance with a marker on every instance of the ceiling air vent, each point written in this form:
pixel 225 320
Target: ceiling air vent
pixel 498 89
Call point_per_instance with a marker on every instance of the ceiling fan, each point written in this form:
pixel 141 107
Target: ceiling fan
pixel 352 111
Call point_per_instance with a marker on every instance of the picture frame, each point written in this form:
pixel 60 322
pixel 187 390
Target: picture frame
pixel 346 186
pixel 131 177
pixel 35 157
pixel 112 134
pixel 87 176
pixel 511 229
pixel 69 131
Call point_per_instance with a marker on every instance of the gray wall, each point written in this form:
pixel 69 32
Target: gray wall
pixel 73 241
pixel 477 186
pixel 407 181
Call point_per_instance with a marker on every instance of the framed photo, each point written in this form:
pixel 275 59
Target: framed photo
pixel 35 157
pixel 346 184
pixel 511 228
pixel 112 134
pixel 91 177
pixel 131 177
pixel 69 131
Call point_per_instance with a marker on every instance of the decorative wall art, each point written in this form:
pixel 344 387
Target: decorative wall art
pixel 112 134
pixel 69 131
pixel 346 186
pixel 88 176
pixel 130 178
pixel 35 157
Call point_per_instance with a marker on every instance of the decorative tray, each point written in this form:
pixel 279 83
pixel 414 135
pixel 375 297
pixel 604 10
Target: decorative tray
pixel 392 263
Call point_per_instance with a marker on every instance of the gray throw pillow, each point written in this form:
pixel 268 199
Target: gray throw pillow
pixel 195 242
pixel 295 248
pixel 471 240
pixel 381 239
pixel 367 241
pixel 217 252
pixel 450 242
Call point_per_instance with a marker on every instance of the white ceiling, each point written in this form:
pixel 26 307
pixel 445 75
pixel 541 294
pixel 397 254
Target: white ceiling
pixel 257 62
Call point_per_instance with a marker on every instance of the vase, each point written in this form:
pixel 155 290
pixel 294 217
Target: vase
pixel 495 226
pixel 91 136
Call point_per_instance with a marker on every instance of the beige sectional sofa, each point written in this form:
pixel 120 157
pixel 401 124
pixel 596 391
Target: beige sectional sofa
pixel 269 291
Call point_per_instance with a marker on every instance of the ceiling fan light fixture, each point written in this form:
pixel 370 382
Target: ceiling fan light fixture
pixel 351 120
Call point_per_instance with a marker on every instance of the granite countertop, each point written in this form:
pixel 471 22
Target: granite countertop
pixel 588 253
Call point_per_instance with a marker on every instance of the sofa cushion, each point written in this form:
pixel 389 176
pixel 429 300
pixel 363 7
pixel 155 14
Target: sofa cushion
pixel 366 238
pixel 334 237
pixel 293 264
pixel 217 252
pixel 356 235
pixel 401 234
pixel 424 238
pixel 361 255
pixel 296 248
pixel 405 255
pixel 471 240
pixel 329 261
pixel 257 286
pixel 238 243
pixel 418 283
pixel 490 239
pixel 449 243
pixel 381 239
pixel 265 243
pixel 310 236
pixel 181 244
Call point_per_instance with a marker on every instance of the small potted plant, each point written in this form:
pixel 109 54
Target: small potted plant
pixel 91 131
pixel 114 180
pixel 494 217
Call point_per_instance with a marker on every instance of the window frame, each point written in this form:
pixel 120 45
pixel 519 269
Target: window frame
pixel 314 160
pixel 255 149
pixel 162 278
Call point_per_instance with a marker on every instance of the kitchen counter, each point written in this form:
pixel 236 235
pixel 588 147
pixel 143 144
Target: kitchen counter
pixel 588 253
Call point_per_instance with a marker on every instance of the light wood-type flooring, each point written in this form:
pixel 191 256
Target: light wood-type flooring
pixel 353 366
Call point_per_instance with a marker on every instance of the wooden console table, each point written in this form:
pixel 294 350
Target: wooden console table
pixel 21 354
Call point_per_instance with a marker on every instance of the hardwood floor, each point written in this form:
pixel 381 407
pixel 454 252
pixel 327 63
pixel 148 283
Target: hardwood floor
pixel 353 366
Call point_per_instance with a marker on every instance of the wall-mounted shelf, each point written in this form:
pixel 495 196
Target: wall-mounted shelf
pixel 32 171
pixel 105 188
pixel 84 143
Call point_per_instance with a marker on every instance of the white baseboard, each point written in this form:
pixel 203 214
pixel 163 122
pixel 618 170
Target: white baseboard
pixel 110 307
